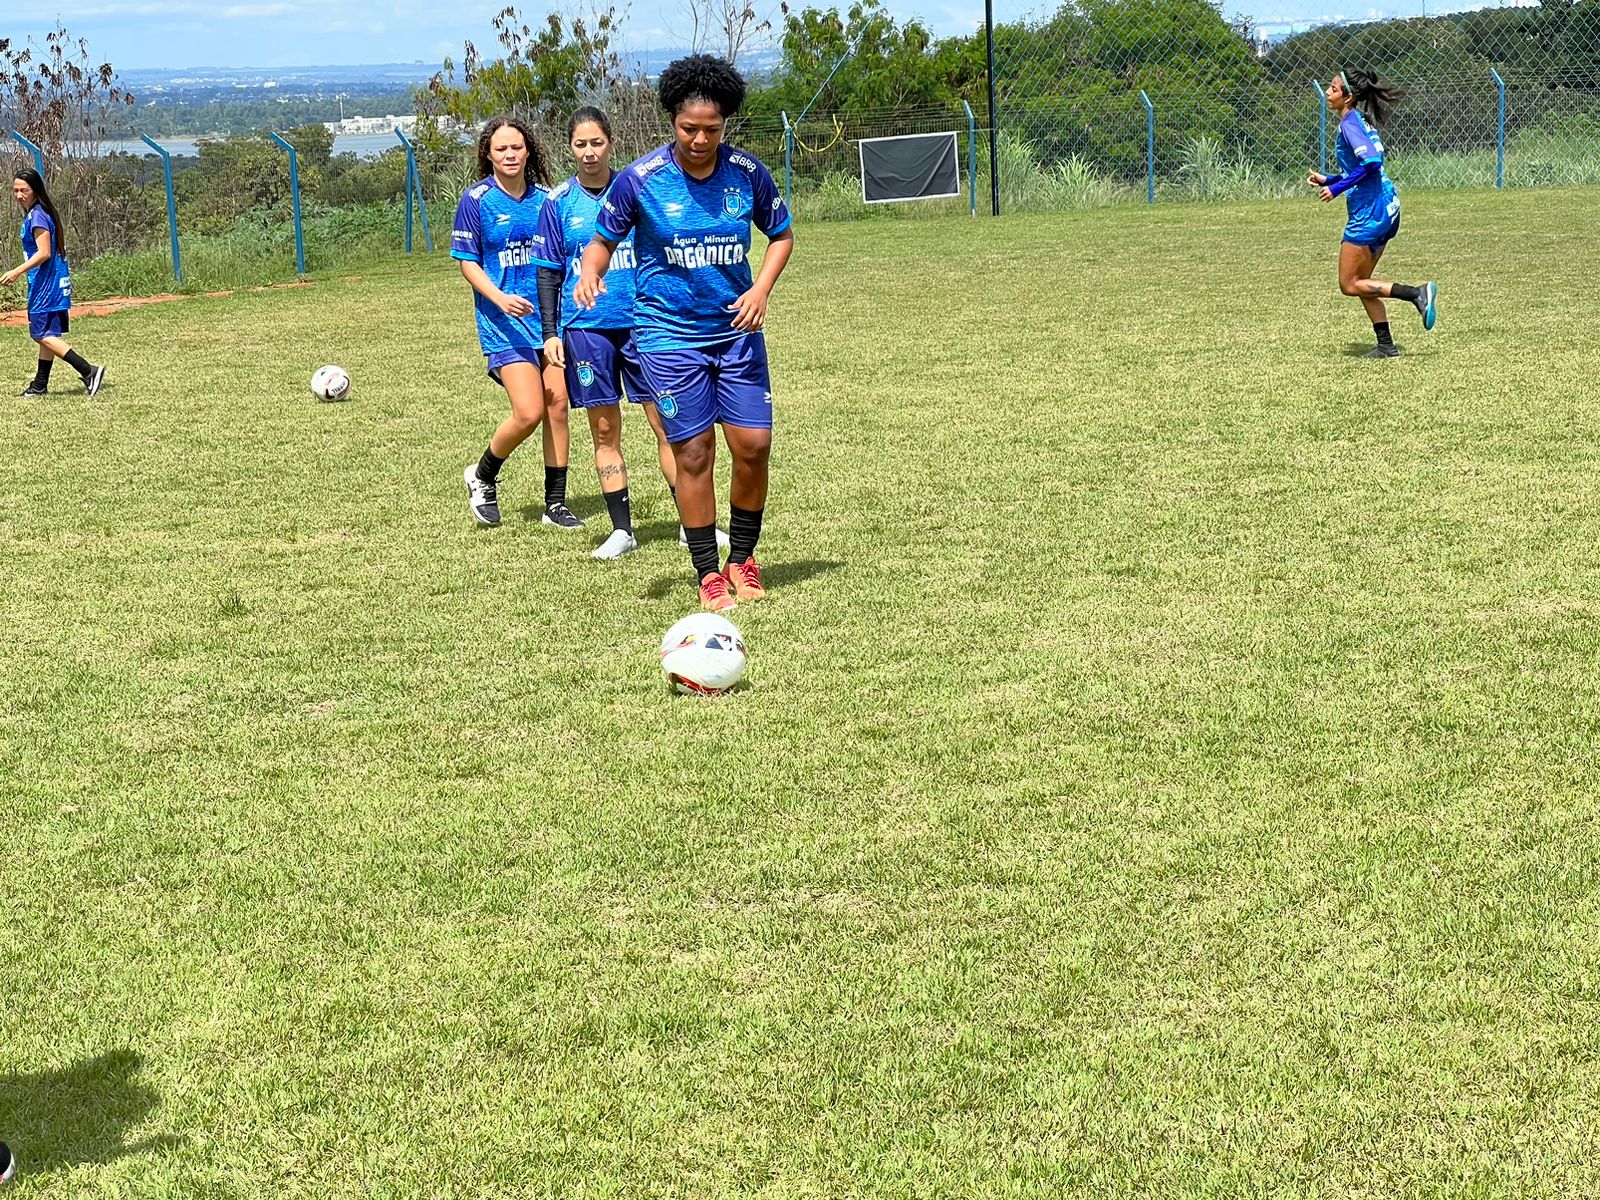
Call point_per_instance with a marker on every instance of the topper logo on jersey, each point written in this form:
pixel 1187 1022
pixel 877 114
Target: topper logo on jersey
pixel 586 374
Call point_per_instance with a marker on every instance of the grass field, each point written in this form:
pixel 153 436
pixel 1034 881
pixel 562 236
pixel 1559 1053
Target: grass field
pixel 1169 767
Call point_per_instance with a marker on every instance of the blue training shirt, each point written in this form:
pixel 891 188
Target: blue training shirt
pixel 566 226
pixel 49 284
pixel 1360 149
pixel 691 242
pixel 496 230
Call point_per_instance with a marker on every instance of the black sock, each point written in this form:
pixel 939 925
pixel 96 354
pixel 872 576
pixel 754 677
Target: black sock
pixel 1404 291
pixel 42 379
pixel 617 506
pixel 1381 328
pixel 555 486
pixel 78 363
pixel 702 548
pixel 744 531
pixel 489 466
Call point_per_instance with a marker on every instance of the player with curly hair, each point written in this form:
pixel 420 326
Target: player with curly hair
pixel 1363 101
pixel 493 243
pixel 698 313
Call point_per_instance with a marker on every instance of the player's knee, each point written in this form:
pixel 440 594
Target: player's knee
pixel 693 457
pixel 1350 287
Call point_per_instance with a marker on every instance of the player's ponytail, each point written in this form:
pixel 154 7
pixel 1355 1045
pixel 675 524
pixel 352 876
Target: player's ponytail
pixel 1375 97
pixel 58 239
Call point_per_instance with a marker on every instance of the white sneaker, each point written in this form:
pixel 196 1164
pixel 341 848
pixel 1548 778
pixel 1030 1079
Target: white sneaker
pixel 482 499
pixel 683 538
pixel 619 543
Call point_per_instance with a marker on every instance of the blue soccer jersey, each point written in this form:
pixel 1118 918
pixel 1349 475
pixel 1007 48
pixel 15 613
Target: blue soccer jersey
pixel 49 284
pixel 565 227
pixel 496 231
pixel 691 242
pixel 1372 200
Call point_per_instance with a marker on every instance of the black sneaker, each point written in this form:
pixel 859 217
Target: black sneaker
pixel 1383 350
pixel 93 380
pixel 8 1164
pixel 33 389
pixel 561 517
pixel 482 500
pixel 1427 303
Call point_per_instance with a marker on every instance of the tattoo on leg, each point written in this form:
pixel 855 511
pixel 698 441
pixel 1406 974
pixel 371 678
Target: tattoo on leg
pixel 611 471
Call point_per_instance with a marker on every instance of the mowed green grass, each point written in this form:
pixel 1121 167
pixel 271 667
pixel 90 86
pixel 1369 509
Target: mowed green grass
pixel 1168 766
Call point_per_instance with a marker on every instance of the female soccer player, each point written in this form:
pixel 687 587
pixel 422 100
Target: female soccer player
pixel 698 316
pixel 1362 101
pixel 493 241
pixel 44 247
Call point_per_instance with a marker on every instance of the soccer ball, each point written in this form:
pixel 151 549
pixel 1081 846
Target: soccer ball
pixel 330 383
pixel 703 655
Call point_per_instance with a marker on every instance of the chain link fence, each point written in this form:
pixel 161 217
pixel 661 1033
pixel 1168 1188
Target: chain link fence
pixel 1169 98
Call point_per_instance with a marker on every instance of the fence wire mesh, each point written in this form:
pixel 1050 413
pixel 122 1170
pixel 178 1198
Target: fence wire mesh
pixel 1492 95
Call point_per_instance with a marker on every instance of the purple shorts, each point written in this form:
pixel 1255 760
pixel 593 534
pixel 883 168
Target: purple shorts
pixel 727 383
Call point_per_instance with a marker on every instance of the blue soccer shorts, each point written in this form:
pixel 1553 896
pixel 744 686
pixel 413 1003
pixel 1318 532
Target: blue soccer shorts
pixel 727 383
pixel 602 366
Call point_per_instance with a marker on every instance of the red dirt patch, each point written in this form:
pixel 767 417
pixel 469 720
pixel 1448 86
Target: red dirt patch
pixel 100 308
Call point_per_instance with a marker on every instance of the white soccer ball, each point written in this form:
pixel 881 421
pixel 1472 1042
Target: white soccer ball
pixel 330 383
pixel 703 655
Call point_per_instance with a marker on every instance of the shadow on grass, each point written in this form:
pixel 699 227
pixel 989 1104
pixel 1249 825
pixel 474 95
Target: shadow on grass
pixel 1362 349
pixel 773 575
pixel 78 1115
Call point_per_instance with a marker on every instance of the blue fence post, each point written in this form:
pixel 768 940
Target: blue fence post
pixel 1500 135
pixel 38 154
pixel 172 206
pixel 294 196
pixel 972 157
pixel 414 182
pixel 1322 128
pixel 1149 149
pixel 788 161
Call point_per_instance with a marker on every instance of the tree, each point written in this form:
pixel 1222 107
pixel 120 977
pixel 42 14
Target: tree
pixel 545 72
pixel 728 27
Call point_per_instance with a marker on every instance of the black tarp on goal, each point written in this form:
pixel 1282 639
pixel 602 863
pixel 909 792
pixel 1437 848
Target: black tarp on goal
pixel 917 166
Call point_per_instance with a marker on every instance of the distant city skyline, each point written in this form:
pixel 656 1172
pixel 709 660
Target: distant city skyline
pixel 292 33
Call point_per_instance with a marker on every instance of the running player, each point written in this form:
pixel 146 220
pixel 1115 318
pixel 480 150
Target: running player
pixel 493 242
pixel 44 249
pixel 698 315
pixel 1363 101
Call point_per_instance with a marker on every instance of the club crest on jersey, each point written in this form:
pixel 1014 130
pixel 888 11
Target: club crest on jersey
pixel 732 202
pixel 586 374
pixel 666 404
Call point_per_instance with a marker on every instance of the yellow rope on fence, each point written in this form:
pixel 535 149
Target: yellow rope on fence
pixel 838 136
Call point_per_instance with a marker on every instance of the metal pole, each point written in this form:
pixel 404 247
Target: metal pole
pixel 1149 149
pixel 972 157
pixel 994 125
pixel 788 162
pixel 1500 136
pixel 172 206
pixel 294 196
pixel 1322 128
pixel 414 181
pixel 38 154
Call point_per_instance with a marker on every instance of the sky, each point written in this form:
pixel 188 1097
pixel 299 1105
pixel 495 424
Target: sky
pixel 285 33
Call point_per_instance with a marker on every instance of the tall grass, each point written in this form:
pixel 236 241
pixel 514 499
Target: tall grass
pixel 258 250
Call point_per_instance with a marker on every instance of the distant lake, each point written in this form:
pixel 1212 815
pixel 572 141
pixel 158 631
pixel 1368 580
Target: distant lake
pixel 362 145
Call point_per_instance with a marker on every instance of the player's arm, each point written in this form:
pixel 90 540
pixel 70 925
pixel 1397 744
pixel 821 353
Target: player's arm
pixel 750 310
pixel 40 256
pixel 512 306
pixel 592 275
pixel 550 282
